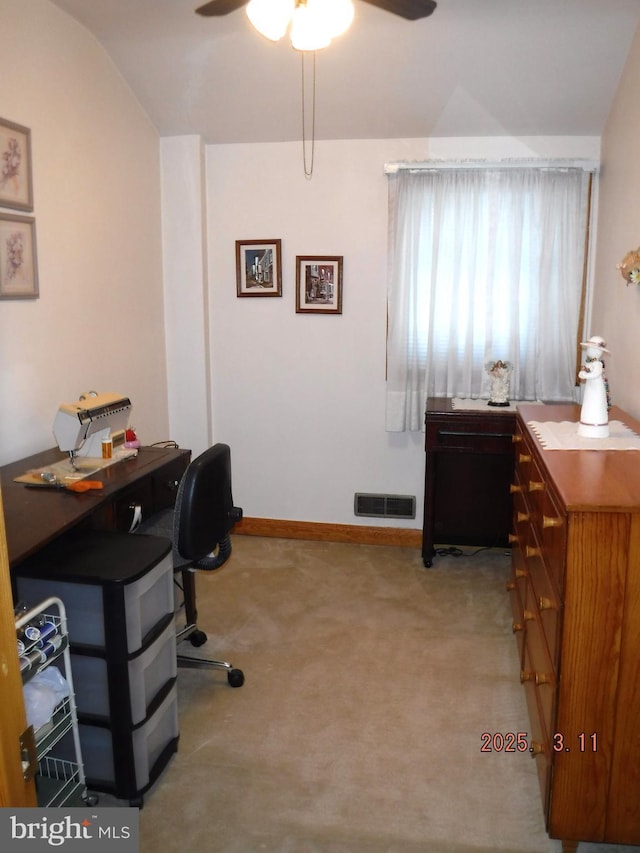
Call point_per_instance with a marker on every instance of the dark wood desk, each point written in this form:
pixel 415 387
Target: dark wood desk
pixel 469 468
pixel 35 517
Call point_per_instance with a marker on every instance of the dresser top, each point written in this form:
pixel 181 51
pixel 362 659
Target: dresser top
pixel 589 480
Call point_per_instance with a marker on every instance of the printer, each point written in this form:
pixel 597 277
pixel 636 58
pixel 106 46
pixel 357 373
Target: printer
pixel 79 428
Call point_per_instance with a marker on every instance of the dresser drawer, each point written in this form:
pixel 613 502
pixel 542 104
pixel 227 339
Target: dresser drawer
pixel 540 744
pixel 537 667
pixel 550 526
pixel 546 599
pixel 517 589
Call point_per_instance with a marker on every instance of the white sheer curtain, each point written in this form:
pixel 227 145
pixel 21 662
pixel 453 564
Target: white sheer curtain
pixel 485 264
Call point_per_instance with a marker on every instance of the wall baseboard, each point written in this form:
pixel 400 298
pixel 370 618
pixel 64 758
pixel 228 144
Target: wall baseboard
pixel 354 533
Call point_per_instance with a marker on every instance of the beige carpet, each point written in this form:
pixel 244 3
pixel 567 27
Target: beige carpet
pixel 369 682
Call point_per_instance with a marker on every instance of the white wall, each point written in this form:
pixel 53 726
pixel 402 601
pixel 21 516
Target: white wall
pixel 186 292
pixel 616 307
pixel 301 398
pixel 96 174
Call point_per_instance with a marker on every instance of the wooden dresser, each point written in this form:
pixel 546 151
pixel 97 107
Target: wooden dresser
pixel 575 592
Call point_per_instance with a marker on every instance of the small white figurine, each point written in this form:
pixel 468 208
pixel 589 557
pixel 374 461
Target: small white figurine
pixel 594 415
pixel 500 375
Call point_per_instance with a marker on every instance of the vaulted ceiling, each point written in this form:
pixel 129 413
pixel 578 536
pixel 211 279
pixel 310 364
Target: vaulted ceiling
pixel 474 68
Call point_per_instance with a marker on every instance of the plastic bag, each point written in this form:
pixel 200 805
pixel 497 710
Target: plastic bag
pixel 42 694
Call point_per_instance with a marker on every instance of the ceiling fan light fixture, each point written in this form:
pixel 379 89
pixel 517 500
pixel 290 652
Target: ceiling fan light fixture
pixel 271 17
pixel 307 32
pixel 313 22
pixel 316 22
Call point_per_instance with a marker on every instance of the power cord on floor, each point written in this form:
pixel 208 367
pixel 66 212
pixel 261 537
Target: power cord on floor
pixel 458 552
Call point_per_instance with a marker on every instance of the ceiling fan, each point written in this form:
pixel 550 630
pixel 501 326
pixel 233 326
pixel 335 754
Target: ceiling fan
pixel 409 9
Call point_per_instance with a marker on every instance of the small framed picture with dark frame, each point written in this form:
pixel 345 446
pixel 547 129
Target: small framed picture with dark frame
pixel 18 260
pixel 319 284
pixel 16 187
pixel 258 267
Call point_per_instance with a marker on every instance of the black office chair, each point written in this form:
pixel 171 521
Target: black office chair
pixel 198 527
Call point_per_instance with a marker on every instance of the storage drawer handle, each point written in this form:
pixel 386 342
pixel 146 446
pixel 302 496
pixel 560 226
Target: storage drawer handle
pixel 536 749
pixel 532 551
pixel 547 521
pixel 463 434
pixel 522 516
pixel 536 486
pixel 524 457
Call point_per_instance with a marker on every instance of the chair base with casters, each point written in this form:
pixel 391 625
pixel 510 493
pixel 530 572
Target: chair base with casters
pixel 198 527
pixel 198 638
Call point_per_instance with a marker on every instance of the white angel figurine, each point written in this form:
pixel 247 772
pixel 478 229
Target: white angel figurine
pixel 594 415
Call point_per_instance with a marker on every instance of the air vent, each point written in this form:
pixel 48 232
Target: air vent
pixel 385 506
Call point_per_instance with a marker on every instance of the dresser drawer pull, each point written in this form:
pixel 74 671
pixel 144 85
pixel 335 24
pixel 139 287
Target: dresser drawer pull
pixel 513 539
pixel 536 749
pixel 547 521
pixel 517 627
pixel 515 489
pixel 522 516
pixel 526 675
pixel 511 585
pixel 521 573
pixel 516 439
pixel 524 457
pixel 546 603
pixel 530 551
pixel 543 678
pixel 462 434
pixel 536 486
pixel 529 615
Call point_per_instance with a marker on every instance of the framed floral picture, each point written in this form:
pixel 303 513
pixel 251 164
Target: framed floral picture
pixel 258 268
pixel 18 263
pixel 319 284
pixel 16 188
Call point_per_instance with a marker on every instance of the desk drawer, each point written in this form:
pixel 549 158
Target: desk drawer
pixel 477 438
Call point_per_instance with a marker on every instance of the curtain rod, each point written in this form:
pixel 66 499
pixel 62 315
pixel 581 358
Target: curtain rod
pixel 439 165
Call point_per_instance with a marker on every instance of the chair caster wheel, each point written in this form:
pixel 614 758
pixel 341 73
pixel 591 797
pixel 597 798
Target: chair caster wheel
pixel 235 677
pixel 198 638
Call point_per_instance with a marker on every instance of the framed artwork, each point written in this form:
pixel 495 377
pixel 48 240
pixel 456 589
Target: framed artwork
pixel 258 268
pixel 18 264
pixel 319 285
pixel 16 188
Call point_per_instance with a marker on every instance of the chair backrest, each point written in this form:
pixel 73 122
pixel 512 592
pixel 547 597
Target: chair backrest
pixel 204 511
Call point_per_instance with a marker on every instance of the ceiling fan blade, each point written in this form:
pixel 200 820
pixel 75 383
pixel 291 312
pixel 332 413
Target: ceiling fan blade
pixel 409 9
pixel 219 7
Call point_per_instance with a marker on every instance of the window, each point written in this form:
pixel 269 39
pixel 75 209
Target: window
pixel 486 263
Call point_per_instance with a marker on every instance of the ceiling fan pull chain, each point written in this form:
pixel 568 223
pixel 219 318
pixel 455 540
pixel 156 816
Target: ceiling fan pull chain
pixel 308 170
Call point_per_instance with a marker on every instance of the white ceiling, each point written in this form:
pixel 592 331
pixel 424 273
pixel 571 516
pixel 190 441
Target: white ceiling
pixel 474 68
